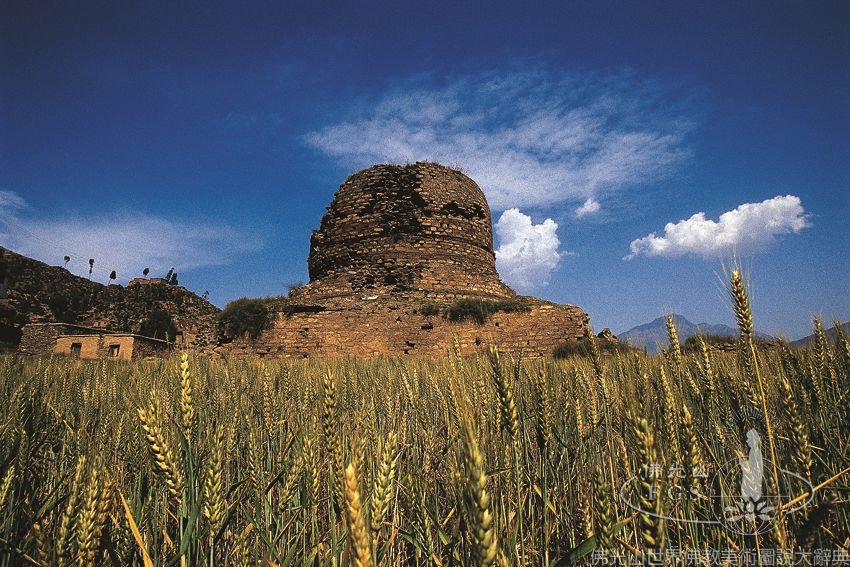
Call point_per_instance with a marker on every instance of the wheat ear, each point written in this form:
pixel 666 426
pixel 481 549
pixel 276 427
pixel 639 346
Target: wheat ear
pixel 357 532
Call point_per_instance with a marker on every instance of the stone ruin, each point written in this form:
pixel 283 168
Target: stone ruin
pixel 395 239
pixel 422 231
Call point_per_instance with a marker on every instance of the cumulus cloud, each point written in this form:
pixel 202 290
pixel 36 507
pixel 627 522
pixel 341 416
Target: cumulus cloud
pixel 530 139
pixel 123 242
pixel 527 253
pixel 747 228
pixel 589 207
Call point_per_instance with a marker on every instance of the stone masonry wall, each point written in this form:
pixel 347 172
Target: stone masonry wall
pixel 393 238
pixel 380 328
pixel 144 348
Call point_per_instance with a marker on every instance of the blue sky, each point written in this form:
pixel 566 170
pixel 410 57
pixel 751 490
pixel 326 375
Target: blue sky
pixel 211 138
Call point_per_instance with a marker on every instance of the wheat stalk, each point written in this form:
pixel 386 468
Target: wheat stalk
pixel 6 485
pixel 187 405
pixel 604 517
pixel 382 489
pixel 675 345
pixel 543 416
pixel 213 507
pixel 669 417
pixel 357 531
pixel 69 517
pixel 651 525
pixel 693 460
pixel 161 452
pixel 311 467
pixel 504 393
pixel 801 452
pixel 477 501
pixel 92 518
pixel 744 316
pixel 330 428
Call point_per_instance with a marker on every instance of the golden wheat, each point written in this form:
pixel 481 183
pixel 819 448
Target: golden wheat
pixel 357 532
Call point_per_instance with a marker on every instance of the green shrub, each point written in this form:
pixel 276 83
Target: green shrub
pixel 276 303
pixel 249 316
pixel 581 347
pixel 244 316
pixel 475 309
pixel 480 311
pixel 512 306
pixel 428 309
pixel 722 342
pixel 158 325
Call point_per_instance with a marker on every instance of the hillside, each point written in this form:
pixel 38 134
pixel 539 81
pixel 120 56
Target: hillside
pixel 830 332
pixel 33 292
pixel 650 335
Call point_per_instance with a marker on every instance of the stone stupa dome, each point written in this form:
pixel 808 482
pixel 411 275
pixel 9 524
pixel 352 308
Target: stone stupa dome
pixel 418 230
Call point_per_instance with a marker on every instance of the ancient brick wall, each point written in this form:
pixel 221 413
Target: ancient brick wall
pixel 379 328
pixel 393 238
pixel 421 229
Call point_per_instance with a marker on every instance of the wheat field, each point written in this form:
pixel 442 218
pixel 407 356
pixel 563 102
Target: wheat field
pixel 459 461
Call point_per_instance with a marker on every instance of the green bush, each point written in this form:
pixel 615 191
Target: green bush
pixel 244 316
pixel 276 303
pixel 429 309
pixel 512 306
pixel 722 342
pixel 158 325
pixel 480 311
pixel 477 310
pixel 581 347
pixel 249 316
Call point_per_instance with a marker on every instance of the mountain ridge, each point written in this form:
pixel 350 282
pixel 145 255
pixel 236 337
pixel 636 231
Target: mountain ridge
pixel 831 333
pixel 651 335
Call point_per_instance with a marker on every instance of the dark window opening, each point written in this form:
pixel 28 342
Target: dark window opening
pixel 114 350
pixel 76 348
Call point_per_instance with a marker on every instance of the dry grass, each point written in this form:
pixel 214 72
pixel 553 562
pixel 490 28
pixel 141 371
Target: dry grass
pixel 451 462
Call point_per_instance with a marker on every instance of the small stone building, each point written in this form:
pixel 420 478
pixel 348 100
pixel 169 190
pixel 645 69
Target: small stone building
pixel 88 342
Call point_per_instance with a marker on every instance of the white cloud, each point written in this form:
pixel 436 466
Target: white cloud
pixel 589 207
pixel 10 203
pixel 530 139
pixel 528 253
pixel 747 228
pixel 124 242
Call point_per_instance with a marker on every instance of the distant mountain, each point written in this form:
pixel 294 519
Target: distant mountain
pixel 831 333
pixel 650 335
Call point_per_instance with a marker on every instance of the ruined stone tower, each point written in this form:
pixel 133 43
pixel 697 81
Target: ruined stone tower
pixel 397 249
pixel 420 230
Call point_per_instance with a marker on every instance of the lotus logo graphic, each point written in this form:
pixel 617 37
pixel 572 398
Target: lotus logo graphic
pixel 741 495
